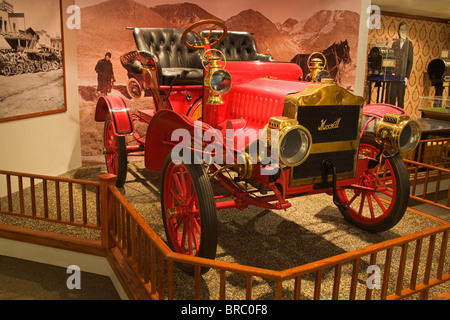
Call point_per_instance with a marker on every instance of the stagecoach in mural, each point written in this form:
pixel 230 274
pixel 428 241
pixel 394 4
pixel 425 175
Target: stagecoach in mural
pixel 223 111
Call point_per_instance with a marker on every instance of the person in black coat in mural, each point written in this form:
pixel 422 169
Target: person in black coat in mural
pixel 105 75
pixel 404 57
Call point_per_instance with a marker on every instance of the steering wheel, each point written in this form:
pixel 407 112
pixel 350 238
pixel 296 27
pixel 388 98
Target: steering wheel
pixel 204 42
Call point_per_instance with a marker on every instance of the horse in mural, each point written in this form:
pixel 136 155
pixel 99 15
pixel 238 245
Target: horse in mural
pixel 336 54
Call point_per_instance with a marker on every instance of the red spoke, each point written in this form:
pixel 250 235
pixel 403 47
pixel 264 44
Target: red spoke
pixel 175 195
pixel 177 183
pixel 377 199
pixel 177 223
pixel 183 182
pixel 369 201
pixel 189 193
pixel 352 199
pixel 196 243
pixel 189 234
pixel 361 205
pixel 197 225
pixel 183 239
pixel 389 194
pixel 193 201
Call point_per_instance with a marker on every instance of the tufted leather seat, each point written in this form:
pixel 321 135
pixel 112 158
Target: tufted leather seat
pixel 172 57
pixel 175 61
pixel 239 46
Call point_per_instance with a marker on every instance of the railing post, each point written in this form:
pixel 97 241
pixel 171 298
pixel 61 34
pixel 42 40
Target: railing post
pixel 106 207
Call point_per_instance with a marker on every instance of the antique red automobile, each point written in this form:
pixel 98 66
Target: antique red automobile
pixel 224 111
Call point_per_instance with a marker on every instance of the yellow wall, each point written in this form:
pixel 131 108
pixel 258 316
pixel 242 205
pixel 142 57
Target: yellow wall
pixel 429 39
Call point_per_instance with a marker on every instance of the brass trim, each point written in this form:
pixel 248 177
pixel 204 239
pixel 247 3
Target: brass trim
pixel 324 95
pixel 329 147
pixel 320 95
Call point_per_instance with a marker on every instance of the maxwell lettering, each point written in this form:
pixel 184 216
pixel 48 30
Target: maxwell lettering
pixel 324 126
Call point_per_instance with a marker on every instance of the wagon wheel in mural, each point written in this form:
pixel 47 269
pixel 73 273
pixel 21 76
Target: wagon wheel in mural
pixel 134 89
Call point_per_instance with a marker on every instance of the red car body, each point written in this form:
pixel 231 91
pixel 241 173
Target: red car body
pixel 347 164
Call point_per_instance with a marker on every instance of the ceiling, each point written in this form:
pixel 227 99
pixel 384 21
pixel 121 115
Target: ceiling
pixel 427 8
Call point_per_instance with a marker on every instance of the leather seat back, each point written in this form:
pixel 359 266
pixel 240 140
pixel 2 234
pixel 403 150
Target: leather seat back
pixel 166 45
pixel 239 46
pixel 177 63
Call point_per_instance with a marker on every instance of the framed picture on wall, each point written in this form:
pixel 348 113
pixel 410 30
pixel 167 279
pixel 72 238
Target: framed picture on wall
pixel 32 81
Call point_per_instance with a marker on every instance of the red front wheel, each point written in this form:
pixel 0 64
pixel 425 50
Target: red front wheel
pixel 379 200
pixel 189 210
pixel 115 150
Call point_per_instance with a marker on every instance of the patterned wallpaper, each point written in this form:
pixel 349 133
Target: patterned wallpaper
pixel 429 39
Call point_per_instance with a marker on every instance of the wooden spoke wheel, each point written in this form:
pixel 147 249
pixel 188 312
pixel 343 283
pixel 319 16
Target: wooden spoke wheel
pixel 115 150
pixel 380 199
pixel 189 211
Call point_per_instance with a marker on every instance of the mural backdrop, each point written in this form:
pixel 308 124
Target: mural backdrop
pixel 285 29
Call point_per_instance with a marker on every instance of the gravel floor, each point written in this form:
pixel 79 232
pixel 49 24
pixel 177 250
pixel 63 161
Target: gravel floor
pixel 311 230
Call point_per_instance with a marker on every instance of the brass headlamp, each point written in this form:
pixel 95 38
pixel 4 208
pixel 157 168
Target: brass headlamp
pixel 218 80
pixel 402 132
pixel 282 139
pixel 294 140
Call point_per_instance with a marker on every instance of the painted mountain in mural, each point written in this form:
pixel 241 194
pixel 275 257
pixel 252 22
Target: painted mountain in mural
pixel 183 14
pixel 268 37
pixel 324 28
pixel 103 29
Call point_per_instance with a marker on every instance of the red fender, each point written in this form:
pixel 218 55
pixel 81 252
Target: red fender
pixel 158 142
pixel 120 114
pixel 378 110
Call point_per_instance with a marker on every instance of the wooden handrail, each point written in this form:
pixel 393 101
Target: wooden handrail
pixel 43 177
pixel 16 207
pixel 153 262
pixel 161 250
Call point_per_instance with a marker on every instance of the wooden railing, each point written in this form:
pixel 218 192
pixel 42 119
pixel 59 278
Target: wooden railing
pixel 154 263
pixel 50 199
pixel 414 264
pixel 429 169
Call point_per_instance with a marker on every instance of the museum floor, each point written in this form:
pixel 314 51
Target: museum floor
pixel 25 280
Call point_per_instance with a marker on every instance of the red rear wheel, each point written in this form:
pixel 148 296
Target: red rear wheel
pixel 115 153
pixel 189 210
pixel 379 200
